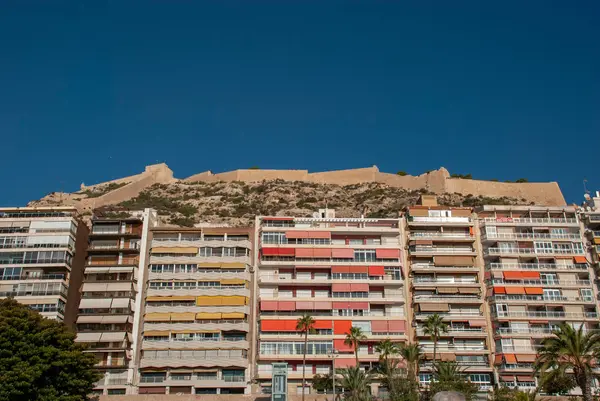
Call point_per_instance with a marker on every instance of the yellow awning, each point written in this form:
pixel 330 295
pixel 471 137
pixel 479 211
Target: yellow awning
pixel 233 281
pixel 172 298
pixel 192 250
pixel 233 315
pixel 208 316
pixel 157 317
pixel 235 300
pixel 233 265
pixel 208 300
pixel 210 264
pixel 156 333
pixel 185 316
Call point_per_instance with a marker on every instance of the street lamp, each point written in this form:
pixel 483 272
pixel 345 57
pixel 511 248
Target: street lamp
pixel 332 353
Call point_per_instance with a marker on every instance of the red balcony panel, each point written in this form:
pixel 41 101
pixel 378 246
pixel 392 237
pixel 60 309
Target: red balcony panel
pixel 342 326
pixel 387 253
pixel 342 253
pixel 339 345
pixel 268 305
pixel 376 271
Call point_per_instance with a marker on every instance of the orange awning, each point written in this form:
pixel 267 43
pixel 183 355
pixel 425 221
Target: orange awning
pixel 510 358
pixel 515 290
pixel 580 259
pixel 513 275
pixel 498 360
pixel 534 291
pixel 499 290
pixel 531 275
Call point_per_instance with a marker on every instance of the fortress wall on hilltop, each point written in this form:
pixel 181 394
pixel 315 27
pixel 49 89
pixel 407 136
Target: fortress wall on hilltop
pixel 542 193
pixel 159 175
pixel 345 177
pixel 259 175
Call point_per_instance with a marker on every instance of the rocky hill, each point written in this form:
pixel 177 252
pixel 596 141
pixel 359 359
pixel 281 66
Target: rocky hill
pixel 236 203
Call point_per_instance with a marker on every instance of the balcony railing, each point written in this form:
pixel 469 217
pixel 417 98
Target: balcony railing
pixel 530 330
pixel 529 220
pixel 519 348
pixel 585 283
pixel 424 219
pixel 456 330
pixel 532 251
pixel 518 236
pixel 421 280
pixel 536 266
pixel 547 314
pixel 513 366
pixel 58 276
pixel 234 379
pixel 152 379
pixel 540 298
pixel 453 347
pixel 452 313
pixel 448 298
pixel 439 249
pixel 275 277
pixel 115 247
pixel 428 266
pixel 25 293
pixel 450 235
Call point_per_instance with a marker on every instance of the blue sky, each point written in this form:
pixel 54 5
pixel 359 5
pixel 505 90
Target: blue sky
pixel 96 90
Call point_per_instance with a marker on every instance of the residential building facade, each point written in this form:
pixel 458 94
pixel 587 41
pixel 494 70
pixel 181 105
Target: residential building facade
pixel 197 316
pixel 344 272
pixel 537 276
pixel 42 253
pixel 111 294
pixel 447 279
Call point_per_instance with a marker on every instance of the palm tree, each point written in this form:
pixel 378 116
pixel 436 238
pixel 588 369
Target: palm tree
pixel 411 353
pixel 353 339
pixel 568 350
pixel 387 348
pixel 356 383
pixel 305 325
pixel 434 327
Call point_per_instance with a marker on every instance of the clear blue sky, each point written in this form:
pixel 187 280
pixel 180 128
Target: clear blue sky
pixel 96 90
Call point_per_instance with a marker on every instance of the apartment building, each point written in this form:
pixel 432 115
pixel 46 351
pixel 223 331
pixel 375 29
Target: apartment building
pixel 345 272
pixel 196 330
pixel 111 294
pixel 537 277
pixel 590 215
pixel 42 253
pixel 447 279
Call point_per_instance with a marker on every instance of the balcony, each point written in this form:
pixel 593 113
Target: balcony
pixel 448 298
pixel 457 281
pixel 553 283
pixel 530 221
pixel 281 279
pixel 457 331
pixel 532 331
pixel 439 220
pixel 29 293
pixel 453 314
pixel 440 235
pixel 432 267
pixel 415 250
pixel 115 248
pixel 546 314
pixel 56 276
pixel 539 298
pixel 531 251
pixel 530 236
pixel 535 266
pixel 515 348
pixel 516 366
pixel 174 242
pixel 453 348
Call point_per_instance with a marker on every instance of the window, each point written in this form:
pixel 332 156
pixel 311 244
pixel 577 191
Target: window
pixel 543 247
pixel 578 247
pixel 552 294
pixel 206 251
pixel 373 241
pixel 587 294
pixel 181 376
pixel 356 242
pixel 185 285
pixel 274 238
pixel 364 255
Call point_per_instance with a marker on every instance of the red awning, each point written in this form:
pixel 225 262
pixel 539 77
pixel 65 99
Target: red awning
pixel 319 234
pixel 580 259
pixel 268 305
pixel 296 234
pixel 340 269
pixel 379 326
pixel 531 275
pixel 387 253
pixel 323 305
pixel 376 271
pixel 323 324
pixel 339 345
pixel 270 251
pixel 342 363
pixel 477 323
pixel 358 269
pixel 341 326
pixel 305 305
pixel 498 360
pixel 499 290
pixel 278 325
pixel 338 287
pixel 304 253
pixel 359 287
pixel 322 253
pixel 341 305
pixel 342 253
pixel 507 378
pixel 287 251
pixel 513 275
pixel 286 305
pixel 358 305
pixel 525 378
pixel 396 326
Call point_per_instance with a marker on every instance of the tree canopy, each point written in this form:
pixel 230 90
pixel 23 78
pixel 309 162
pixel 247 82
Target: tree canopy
pixel 39 359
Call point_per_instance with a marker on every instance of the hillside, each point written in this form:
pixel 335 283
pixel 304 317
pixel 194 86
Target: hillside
pixel 236 203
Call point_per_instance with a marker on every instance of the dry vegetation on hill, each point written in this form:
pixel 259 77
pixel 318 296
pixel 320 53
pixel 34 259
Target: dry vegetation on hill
pixel 236 203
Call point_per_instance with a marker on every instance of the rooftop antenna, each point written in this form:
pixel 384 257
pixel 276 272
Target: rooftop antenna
pixel 585 186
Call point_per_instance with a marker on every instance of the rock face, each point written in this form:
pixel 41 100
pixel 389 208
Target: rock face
pixel 235 197
pixel 449 396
